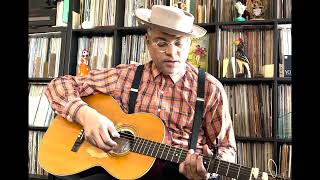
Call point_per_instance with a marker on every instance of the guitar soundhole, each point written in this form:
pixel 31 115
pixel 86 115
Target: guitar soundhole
pixel 123 142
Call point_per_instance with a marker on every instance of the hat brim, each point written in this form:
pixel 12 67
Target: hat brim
pixel 143 15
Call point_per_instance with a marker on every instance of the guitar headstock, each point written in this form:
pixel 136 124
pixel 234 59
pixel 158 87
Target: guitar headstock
pixel 255 174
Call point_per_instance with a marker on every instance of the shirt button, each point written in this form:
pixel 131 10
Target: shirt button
pixel 161 92
pixel 68 117
pixel 159 110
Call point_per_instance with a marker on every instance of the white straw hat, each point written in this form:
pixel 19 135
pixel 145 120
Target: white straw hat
pixel 170 19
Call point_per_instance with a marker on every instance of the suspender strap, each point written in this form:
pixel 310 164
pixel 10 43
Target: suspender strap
pixel 198 111
pixel 134 88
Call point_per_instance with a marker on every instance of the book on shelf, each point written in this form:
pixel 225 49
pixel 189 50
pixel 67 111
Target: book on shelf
pixel 203 11
pixel 285 48
pixel 44 57
pixel 59 15
pixel 33 146
pixel 250 108
pixel 287 65
pixel 284 8
pixel 131 5
pixel 255 154
pixel 40 111
pixel 285 155
pixel 89 14
pixel 284 111
pixel 134 50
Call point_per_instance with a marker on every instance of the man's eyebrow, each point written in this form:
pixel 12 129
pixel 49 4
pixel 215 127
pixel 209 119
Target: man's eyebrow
pixel 164 39
pixel 160 38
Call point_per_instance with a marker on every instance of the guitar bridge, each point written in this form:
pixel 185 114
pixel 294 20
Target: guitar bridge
pixel 78 141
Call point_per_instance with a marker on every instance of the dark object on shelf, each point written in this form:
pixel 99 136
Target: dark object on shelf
pixel 42 12
pixel 287 65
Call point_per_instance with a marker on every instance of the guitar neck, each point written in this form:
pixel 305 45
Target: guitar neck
pixel 178 155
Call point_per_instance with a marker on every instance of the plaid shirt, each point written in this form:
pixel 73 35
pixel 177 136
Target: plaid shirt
pixel 173 102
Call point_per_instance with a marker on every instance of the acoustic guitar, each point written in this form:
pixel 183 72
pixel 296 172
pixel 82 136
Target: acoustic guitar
pixel 63 150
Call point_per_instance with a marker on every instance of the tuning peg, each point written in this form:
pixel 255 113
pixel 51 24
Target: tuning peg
pixel 264 176
pixel 255 172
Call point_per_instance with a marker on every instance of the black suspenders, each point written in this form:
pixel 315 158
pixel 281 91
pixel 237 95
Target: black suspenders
pixel 134 88
pixel 199 103
pixel 198 111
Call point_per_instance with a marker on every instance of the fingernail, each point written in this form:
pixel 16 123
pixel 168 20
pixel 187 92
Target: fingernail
pixel 115 134
pixel 114 144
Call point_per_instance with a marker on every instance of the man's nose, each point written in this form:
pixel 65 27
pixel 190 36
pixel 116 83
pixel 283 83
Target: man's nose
pixel 172 49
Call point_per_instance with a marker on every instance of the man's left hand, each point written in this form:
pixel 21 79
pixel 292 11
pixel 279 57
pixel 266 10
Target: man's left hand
pixel 193 167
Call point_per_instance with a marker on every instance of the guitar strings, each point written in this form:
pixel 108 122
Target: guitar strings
pixel 232 167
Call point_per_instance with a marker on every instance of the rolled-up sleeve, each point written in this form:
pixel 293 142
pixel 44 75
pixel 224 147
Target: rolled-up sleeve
pixel 219 124
pixel 64 93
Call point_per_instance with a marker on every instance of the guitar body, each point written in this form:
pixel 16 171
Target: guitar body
pixel 55 155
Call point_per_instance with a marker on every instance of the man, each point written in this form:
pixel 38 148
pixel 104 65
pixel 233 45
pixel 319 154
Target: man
pixel 168 89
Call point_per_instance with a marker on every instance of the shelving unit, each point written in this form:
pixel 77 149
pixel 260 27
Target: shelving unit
pixel 70 49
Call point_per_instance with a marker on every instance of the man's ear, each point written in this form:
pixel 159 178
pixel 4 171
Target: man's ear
pixel 146 38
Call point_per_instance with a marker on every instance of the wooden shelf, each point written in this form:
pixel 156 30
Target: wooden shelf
pixel 102 30
pixel 132 30
pixel 41 80
pixel 246 80
pixel 256 22
pixel 33 128
pixel 284 21
pixel 284 140
pixel 254 139
pixel 284 80
pixel 46 29
pixel 37 177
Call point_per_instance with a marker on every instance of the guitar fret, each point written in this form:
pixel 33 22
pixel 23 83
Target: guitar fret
pixel 209 164
pixel 162 151
pixel 218 166
pixel 228 169
pixel 148 145
pixel 238 171
pixel 141 145
pixel 179 155
pixel 168 153
pixel 173 155
pixel 135 144
pixel 155 144
pixel 144 147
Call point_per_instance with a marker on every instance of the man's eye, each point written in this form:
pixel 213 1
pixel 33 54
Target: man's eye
pixel 178 43
pixel 162 43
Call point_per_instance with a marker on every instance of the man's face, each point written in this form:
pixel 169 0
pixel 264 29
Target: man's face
pixel 168 52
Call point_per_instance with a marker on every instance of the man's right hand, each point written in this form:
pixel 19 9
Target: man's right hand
pixel 98 128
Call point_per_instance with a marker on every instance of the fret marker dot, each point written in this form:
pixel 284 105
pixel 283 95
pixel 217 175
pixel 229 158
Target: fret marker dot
pixel 205 162
pixel 176 154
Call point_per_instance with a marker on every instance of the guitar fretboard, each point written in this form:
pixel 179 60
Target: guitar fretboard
pixel 178 155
